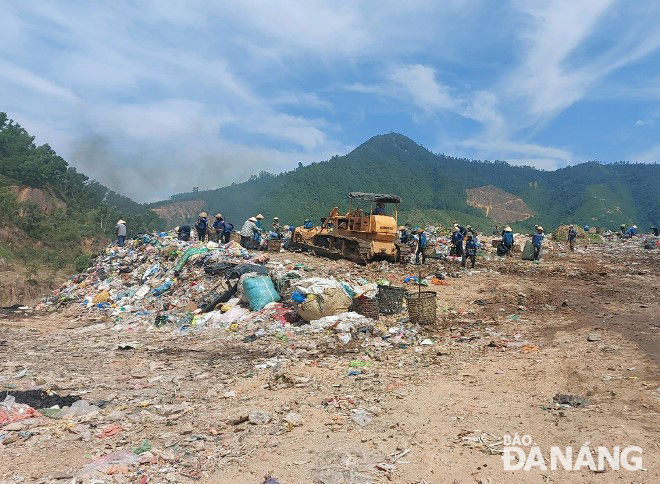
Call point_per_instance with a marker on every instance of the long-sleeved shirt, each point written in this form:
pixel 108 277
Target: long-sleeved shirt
pixel 537 239
pixel 422 240
pixel 507 239
pixel 572 234
pixel 248 228
pixel 471 247
pixel 121 230
pixel 456 238
pixel 219 226
pixel 631 231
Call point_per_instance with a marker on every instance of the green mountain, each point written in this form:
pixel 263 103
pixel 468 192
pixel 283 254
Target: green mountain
pixel 52 214
pixel 433 190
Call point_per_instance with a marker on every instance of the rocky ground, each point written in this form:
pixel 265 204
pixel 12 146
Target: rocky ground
pixel 298 408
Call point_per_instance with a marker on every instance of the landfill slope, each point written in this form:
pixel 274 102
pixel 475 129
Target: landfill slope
pixel 153 389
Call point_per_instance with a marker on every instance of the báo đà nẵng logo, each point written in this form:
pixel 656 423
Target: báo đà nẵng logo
pixel 519 453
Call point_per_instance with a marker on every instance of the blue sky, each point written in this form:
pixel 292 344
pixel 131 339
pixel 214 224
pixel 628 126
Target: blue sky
pixel 154 97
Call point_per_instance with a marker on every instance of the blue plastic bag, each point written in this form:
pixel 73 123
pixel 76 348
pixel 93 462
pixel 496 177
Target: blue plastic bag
pixel 297 296
pixel 260 291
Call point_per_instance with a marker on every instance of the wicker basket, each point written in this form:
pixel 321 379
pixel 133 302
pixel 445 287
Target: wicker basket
pixel 421 307
pixel 274 245
pixel 366 307
pixel 390 299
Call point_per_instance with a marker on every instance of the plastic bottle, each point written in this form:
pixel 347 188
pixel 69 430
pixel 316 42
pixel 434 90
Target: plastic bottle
pixel 162 288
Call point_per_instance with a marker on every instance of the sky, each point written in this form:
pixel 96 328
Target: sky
pixel 154 97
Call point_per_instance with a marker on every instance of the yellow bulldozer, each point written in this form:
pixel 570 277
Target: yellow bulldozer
pixel 368 231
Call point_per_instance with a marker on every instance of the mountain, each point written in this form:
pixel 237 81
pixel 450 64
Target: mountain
pixel 439 189
pixel 50 214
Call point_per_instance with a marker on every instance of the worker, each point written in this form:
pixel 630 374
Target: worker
pixel 632 231
pixel 468 228
pixel 421 245
pixel 623 228
pixel 183 232
pixel 470 250
pixel 507 240
pixel 277 228
pixel 247 231
pixel 496 231
pixel 462 230
pixel 403 234
pixel 572 236
pixel 380 209
pixel 219 228
pixel 226 235
pixel 537 241
pixel 586 228
pixel 655 231
pixel 457 241
pixel 308 224
pixel 120 230
pixel 259 218
pixel 202 226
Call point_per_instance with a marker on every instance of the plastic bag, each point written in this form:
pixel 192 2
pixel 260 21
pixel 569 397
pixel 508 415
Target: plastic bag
pixel 186 255
pixel 259 292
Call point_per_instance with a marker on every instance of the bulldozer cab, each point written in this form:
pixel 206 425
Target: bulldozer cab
pixel 368 212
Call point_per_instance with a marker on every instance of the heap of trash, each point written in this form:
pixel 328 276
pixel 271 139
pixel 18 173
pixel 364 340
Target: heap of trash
pixel 159 283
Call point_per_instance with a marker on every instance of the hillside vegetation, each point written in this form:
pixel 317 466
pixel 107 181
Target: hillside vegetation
pixel 433 189
pixel 64 215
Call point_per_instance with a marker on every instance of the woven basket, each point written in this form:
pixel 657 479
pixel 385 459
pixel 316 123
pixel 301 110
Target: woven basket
pixel 366 307
pixel 390 299
pixel 421 307
pixel 274 245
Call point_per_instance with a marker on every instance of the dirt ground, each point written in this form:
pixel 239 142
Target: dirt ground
pixel 510 336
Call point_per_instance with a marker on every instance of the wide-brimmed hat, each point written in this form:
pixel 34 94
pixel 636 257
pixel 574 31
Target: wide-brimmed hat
pixel 454 229
pixel 538 227
pixel 218 215
pixel 401 227
pixel 276 218
pixel 203 214
pixel 468 226
pixel 252 219
pixel 259 217
pixel 120 221
pixel 507 229
pixel 419 230
pixel 469 234
pixel 634 226
pixel 176 229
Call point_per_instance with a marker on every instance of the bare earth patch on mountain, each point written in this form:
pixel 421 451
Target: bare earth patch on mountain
pixel 500 206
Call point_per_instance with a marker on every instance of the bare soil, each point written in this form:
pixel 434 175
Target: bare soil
pixel 509 336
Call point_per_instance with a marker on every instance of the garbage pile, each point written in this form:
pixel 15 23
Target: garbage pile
pixel 159 283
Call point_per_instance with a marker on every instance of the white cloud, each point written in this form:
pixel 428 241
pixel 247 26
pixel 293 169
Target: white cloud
pixel 649 155
pixel 23 78
pixel 126 90
pixel 644 122
pixel 419 82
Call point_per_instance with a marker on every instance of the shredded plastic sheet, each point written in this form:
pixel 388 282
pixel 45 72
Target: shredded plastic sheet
pixel 10 411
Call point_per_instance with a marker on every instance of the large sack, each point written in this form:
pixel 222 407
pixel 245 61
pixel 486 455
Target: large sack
pixel 528 251
pixel 324 297
pixel 260 291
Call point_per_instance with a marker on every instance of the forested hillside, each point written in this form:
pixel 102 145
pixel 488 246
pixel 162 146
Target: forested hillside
pixel 75 214
pixel 433 188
